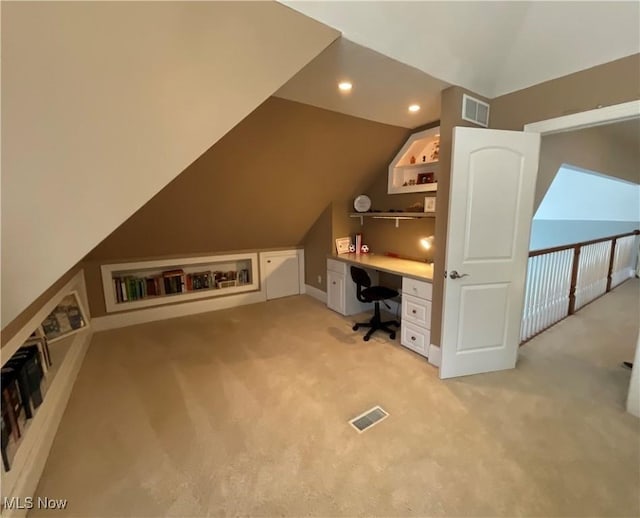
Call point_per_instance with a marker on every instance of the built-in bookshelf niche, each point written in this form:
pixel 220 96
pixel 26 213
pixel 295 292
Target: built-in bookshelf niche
pixel 415 168
pixel 153 283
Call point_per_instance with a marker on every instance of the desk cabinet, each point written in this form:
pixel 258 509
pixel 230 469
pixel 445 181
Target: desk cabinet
pixel 416 315
pixel 336 292
pixel 341 290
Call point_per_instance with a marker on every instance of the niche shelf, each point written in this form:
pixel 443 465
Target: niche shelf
pixel 421 175
pixel 153 283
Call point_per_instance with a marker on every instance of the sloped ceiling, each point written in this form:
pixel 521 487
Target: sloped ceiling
pixel 612 149
pixel 383 88
pixel 491 48
pixel 262 185
pixel 104 103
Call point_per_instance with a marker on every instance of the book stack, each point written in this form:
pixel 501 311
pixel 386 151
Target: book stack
pixel 174 282
pixel 358 242
pixel 130 288
pixel 22 392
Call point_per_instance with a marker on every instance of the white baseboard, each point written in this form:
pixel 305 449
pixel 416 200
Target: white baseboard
pixel 22 480
pixel 175 310
pixel 435 355
pixel 315 293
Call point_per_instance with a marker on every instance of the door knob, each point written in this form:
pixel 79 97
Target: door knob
pixel 455 275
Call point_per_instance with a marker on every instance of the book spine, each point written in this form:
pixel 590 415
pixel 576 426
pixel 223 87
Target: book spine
pixel 123 290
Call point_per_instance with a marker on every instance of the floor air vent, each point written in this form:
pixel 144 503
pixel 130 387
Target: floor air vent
pixel 368 419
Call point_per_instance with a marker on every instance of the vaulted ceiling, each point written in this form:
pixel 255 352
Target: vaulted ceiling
pixel 104 103
pixel 491 48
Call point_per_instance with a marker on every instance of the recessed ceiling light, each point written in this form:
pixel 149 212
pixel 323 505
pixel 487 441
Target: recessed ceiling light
pixel 414 107
pixel 345 86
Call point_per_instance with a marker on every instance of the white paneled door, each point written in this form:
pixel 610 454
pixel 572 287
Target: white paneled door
pixel 493 177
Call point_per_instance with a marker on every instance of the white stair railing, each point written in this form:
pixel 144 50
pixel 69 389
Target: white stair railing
pixel 547 291
pixel 562 280
pixel 593 268
pixel 624 259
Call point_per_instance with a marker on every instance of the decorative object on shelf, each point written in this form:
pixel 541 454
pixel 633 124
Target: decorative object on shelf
pixel 424 158
pixel 343 244
pixel 413 160
pixel 352 248
pixel 362 203
pixel 426 178
pixel 364 249
pixel 430 204
pixel 67 318
pixel 416 207
pixel 435 152
pixel 358 243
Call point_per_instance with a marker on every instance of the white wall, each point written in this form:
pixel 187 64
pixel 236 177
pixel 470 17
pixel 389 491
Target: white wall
pixel 582 195
pixel 582 205
pixel 103 103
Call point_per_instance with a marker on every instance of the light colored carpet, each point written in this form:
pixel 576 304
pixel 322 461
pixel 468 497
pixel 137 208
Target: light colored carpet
pixel 244 412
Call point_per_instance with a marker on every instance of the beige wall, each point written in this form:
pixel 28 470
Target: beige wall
pixel 317 245
pixel 604 85
pixel 103 103
pixel 451 117
pixel 595 149
pixel 611 83
pixel 382 235
pixel 263 185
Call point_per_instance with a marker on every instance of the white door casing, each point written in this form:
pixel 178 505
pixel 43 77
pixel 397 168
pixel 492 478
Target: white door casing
pixel 493 176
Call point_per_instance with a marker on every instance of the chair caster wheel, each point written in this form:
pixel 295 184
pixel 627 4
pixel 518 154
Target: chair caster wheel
pixel 355 327
pixel 365 338
pixel 392 336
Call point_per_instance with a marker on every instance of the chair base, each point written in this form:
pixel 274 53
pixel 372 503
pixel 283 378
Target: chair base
pixel 376 324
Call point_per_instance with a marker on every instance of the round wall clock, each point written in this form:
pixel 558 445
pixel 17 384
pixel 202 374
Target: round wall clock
pixel 362 203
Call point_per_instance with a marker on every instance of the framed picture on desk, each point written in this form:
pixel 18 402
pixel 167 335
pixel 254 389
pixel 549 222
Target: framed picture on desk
pixel 342 245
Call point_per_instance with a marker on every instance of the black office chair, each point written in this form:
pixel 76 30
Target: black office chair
pixel 373 294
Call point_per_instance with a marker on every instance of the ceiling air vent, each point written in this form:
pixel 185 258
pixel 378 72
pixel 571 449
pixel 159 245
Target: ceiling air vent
pixel 474 110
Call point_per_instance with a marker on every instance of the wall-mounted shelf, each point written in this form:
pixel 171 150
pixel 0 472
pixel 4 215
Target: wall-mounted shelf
pixel 391 215
pixel 421 175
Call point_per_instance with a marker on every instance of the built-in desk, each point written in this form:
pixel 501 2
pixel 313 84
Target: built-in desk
pixel 418 270
pixel 416 293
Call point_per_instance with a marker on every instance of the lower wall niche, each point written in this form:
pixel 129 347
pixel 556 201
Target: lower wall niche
pixel 37 377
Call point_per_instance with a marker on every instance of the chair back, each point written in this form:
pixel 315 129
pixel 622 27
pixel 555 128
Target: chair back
pixel 362 280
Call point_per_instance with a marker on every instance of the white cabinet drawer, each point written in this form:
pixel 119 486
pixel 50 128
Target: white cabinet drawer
pixel 415 338
pixel 416 311
pixel 416 288
pixel 337 266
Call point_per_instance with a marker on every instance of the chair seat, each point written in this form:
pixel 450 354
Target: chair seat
pixel 379 293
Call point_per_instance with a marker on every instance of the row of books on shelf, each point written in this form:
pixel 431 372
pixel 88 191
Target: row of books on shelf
pixel 128 288
pixel 23 389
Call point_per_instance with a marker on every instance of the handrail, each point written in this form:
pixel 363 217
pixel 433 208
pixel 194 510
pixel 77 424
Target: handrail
pixel 533 253
pixel 562 279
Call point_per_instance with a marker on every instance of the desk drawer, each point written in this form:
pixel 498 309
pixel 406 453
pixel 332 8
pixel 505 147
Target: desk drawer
pixel 416 288
pixel 337 266
pixel 415 338
pixel 416 310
